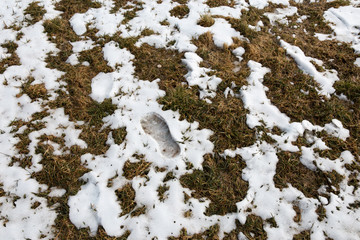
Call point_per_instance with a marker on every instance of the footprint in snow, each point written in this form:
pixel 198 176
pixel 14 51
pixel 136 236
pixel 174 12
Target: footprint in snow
pixel 156 126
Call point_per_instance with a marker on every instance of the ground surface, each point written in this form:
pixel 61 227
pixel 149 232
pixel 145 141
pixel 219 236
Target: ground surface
pixel 143 119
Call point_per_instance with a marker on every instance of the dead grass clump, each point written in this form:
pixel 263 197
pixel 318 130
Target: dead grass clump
pixel 35 11
pixel 138 211
pixel 297 217
pixel 12 60
pixel 211 233
pixel 180 11
pixel 132 170
pixel 181 1
pixel 242 26
pixel 321 212
pixel 253 228
pixel 97 111
pixel 126 197
pixel 64 228
pixel 162 189
pixel 34 91
pixel 119 135
pixel 335 55
pixel 128 15
pixel 220 181
pixel 101 235
pixel 206 20
pixel 218 3
pixel 96 139
pixel 10 46
pixel 59 171
pixel 95 57
pixel 120 4
pixel 304 235
pixel 147 32
pixel 293 92
pixel 60 32
pixel 224 115
pixel 24 140
pixel 78 104
pixel 70 7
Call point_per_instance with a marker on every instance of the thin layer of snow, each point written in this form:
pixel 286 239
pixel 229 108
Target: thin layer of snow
pixel 280 14
pixel 80 46
pixel 198 76
pixel 267 201
pixel 346 25
pixel 19 219
pixel 325 79
pixel 56 192
pixel 238 52
pixel 96 203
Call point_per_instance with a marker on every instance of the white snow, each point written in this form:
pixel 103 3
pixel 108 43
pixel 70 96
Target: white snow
pixel 346 25
pixel 280 14
pixel 57 192
pixel 198 76
pixel 325 79
pixel 357 62
pixel 26 214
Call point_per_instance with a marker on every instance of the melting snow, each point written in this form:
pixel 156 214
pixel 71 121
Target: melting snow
pixel 136 99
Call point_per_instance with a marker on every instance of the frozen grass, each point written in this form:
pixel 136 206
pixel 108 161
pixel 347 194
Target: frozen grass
pixel 220 183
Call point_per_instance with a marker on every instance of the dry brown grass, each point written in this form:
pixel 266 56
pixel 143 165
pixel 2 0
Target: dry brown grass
pixel 152 63
pixel 126 198
pixel 289 169
pixel 64 171
pixel 221 60
pixel 206 20
pixel 12 60
pixel 180 11
pixel 304 235
pixel 220 181
pixel 218 3
pixel 70 7
pixel 132 170
pixel 35 11
pixel 210 233
pixel 119 4
pixel 224 114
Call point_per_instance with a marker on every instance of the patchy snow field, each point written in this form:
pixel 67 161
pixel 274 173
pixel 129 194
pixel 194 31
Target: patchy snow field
pixel 46 118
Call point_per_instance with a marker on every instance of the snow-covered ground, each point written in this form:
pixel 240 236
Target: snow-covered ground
pixel 161 136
